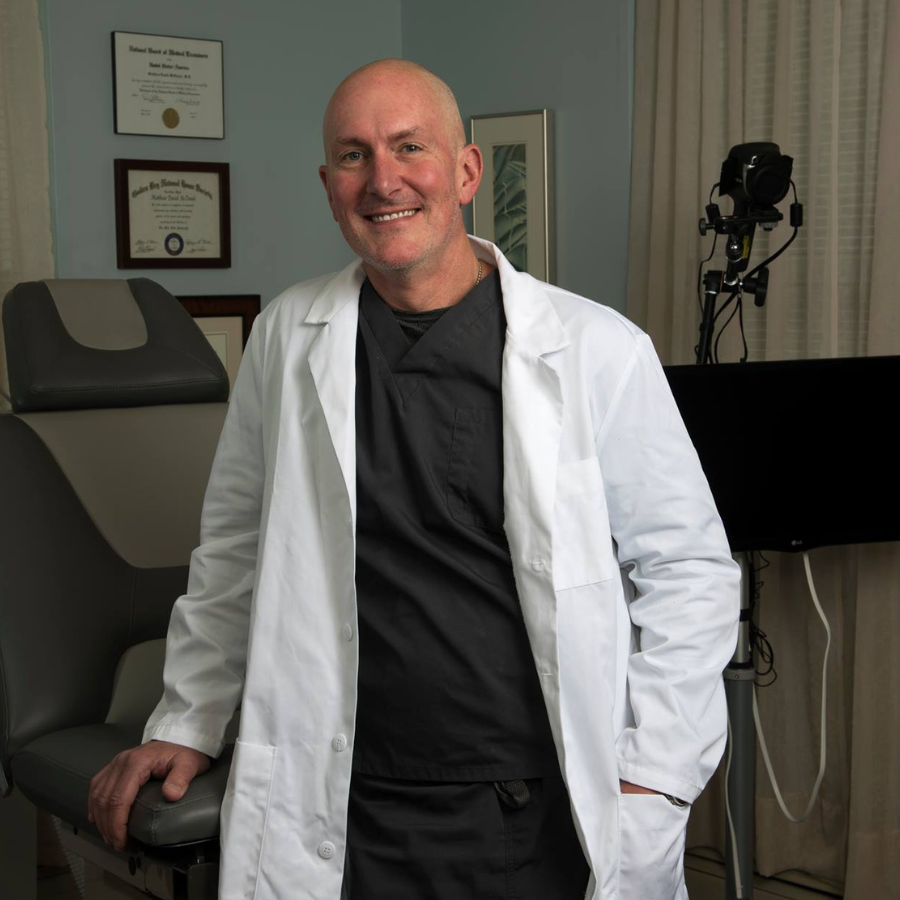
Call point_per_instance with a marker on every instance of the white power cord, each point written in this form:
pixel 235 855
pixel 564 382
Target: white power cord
pixel 738 883
pixel 759 730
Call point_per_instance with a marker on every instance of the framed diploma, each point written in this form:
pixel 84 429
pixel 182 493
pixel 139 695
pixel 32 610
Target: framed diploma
pixel 226 321
pixel 167 86
pixel 172 215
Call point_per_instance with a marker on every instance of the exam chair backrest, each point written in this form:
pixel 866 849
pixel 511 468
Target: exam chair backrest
pixel 117 404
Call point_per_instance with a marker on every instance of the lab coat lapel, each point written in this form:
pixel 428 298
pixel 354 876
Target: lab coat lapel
pixel 532 428
pixel 332 361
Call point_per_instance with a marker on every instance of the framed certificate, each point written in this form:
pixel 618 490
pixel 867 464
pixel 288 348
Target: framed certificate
pixel 172 215
pixel 167 86
pixel 226 321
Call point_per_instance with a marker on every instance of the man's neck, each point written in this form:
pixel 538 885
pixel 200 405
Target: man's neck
pixel 421 289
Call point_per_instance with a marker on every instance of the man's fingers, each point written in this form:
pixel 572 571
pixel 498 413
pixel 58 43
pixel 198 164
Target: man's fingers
pixel 118 807
pixel 112 794
pixel 101 787
pixel 114 788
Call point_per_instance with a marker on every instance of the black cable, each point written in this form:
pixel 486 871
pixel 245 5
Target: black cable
pixel 743 336
pixel 700 272
pixel 737 306
pixel 713 355
pixel 758 638
pixel 739 309
pixel 753 272
pixel 708 258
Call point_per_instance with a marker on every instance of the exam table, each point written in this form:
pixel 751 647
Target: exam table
pixel 117 403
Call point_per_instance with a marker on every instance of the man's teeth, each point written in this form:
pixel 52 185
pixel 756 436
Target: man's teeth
pixel 397 215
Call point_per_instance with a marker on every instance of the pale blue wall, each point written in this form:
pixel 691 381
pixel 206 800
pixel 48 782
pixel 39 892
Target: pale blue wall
pixel 571 56
pixel 282 60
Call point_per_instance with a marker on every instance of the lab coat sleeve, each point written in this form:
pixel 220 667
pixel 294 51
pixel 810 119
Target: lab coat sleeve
pixel 686 595
pixel 206 648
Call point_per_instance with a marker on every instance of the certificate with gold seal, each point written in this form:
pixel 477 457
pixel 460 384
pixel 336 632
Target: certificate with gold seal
pixel 170 86
pixel 172 214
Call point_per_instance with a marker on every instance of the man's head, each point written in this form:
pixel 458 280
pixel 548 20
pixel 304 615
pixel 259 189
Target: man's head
pixel 398 169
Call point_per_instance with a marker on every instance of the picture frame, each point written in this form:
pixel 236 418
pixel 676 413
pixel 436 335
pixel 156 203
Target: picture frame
pixel 514 207
pixel 168 86
pixel 226 320
pixel 172 215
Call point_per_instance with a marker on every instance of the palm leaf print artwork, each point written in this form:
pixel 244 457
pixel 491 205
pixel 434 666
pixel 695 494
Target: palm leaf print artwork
pixel 510 207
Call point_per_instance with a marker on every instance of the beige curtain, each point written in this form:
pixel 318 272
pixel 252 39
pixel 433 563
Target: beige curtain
pixel 809 75
pixel 25 241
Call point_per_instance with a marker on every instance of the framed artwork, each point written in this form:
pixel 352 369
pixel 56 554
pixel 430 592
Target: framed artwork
pixel 514 206
pixel 167 86
pixel 226 321
pixel 172 215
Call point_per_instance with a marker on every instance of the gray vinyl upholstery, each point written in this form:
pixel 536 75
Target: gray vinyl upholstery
pixel 104 463
pixel 49 369
pixel 57 768
pixel 121 461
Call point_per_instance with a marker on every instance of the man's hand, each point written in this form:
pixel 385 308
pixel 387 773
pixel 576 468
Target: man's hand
pixel 115 786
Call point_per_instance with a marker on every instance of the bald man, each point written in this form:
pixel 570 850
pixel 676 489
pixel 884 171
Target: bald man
pixel 458 563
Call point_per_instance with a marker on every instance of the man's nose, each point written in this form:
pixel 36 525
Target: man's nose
pixel 384 174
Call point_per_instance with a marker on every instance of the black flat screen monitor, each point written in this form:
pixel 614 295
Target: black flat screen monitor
pixel 798 454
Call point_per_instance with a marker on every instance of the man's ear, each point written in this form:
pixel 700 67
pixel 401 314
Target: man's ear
pixel 323 176
pixel 471 168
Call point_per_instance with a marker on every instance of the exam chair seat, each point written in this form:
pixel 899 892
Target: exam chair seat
pixel 55 772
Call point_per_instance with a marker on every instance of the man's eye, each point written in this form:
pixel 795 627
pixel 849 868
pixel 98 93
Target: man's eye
pixel 411 148
pixel 353 156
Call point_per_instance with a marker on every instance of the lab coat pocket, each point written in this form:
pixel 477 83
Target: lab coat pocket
pixel 651 848
pixel 243 819
pixel 582 546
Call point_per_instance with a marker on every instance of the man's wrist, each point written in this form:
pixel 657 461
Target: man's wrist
pixel 628 787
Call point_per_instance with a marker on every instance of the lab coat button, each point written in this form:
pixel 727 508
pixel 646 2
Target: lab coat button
pixel 339 742
pixel 348 632
pixel 326 849
pixel 537 565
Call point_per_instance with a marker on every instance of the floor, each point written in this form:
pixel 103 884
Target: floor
pixel 55 883
pixel 705 880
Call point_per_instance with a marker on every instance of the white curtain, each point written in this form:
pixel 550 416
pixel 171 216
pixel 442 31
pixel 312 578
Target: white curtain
pixel 821 79
pixel 26 251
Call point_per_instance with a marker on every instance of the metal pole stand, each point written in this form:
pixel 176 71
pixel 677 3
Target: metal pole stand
pixel 739 677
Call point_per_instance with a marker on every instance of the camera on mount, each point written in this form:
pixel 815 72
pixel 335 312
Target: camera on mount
pixel 756 176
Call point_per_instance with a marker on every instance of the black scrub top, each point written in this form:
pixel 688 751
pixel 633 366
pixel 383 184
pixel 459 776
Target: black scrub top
pixel 448 688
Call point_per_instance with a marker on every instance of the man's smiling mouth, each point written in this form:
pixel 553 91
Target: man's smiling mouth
pixel 405 214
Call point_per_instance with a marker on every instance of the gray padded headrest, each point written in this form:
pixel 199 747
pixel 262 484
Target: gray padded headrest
pixel 74 344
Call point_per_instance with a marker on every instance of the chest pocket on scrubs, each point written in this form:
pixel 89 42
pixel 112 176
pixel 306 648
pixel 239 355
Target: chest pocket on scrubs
pixel 475 473
pixel 582 545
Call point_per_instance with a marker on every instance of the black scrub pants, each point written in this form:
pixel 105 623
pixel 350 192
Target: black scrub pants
pixel 429 840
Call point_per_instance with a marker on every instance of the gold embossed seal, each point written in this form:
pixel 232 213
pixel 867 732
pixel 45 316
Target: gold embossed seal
pixel 171 118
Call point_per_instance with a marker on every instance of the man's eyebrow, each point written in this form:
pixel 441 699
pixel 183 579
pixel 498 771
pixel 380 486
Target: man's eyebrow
pixel 348 140
pixel 407 133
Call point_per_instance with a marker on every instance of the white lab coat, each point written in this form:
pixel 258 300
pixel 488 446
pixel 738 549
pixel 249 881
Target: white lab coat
pixel 627 587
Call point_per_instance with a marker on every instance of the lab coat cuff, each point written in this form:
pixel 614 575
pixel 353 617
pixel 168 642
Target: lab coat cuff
pixel 211 745
pixel 658 781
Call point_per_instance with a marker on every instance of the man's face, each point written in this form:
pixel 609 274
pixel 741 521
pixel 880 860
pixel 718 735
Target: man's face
pixel 394 176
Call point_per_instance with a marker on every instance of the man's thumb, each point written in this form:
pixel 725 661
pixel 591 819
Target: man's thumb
pixel 176 783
